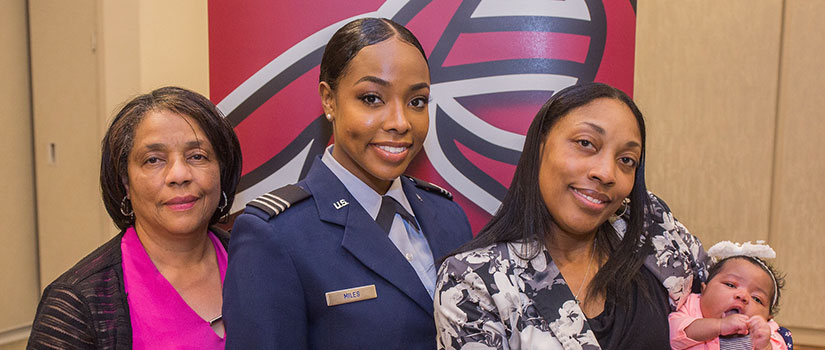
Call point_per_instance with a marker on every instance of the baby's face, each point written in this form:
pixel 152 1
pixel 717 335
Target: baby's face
pixel 740 287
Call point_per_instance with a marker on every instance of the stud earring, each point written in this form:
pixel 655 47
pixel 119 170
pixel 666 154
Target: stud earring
pixel 329 117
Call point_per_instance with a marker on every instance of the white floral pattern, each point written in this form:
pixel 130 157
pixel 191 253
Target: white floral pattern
pixel 485 298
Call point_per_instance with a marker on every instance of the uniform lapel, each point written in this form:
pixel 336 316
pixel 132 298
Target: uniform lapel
pixel 363 238
pixel 428 217
pixel 331 197
pixel 370 245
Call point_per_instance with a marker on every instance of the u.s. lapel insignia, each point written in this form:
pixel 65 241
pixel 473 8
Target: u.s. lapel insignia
pixel 350 295
pixel 340 203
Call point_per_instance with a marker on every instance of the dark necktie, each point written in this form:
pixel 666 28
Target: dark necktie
pixel 389 207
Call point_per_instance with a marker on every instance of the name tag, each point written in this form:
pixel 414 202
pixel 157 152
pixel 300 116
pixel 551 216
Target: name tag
pixel 350 295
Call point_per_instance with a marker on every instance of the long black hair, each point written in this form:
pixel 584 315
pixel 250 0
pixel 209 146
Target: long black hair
pixel 523 214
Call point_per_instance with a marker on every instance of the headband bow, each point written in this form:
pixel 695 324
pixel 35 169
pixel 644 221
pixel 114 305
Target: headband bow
pixel 727 249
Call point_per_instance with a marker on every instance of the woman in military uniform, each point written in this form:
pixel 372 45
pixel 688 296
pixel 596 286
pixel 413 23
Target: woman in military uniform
pixel 345 258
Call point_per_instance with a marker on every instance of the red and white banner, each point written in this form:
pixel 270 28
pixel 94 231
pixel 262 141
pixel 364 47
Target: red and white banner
pixel 493 63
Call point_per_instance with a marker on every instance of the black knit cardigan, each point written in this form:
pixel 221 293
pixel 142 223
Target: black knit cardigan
pixel 86 307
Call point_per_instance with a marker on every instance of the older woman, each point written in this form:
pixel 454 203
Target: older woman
pixel 168 171
pixel 580 255
pixel 344 259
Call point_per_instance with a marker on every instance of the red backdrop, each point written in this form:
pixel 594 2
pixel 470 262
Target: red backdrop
pixel 493 64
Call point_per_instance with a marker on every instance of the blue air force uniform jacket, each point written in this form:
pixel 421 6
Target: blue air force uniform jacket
pixel 283 263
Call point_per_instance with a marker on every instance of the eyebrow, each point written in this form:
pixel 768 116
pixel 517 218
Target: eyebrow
pixel 633 144
pixel 419 86
pixel 382 82
pixel 162 146
pixel 373 79
pixel 601 131
pixel 595 127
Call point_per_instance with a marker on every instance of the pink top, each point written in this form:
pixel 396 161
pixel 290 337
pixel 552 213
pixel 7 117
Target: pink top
pixel 691 311
pixel 161 319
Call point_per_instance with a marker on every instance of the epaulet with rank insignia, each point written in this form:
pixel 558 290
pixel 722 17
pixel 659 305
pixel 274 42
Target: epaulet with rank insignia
pixel 275 202
pixel 431 187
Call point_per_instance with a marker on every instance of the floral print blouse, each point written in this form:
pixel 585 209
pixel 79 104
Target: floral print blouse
pixel 491 298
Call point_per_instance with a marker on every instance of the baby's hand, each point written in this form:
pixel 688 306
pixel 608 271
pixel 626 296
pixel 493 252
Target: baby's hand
pixel 734 324
pixel 760 332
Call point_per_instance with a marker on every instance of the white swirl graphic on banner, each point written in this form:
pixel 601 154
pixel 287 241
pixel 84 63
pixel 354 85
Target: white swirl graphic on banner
pixel 574 9
pixel 445 95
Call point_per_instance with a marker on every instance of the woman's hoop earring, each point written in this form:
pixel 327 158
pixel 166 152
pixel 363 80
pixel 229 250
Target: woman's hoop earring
pixel 124 204
pixel 625 205
pixel 225 202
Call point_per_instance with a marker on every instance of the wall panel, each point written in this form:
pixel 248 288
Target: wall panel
pixel 706 80
pixel 64 68
pixel 798 215
pixel 731 95
pixel 174 45
pixel 19 286
pixel 119 56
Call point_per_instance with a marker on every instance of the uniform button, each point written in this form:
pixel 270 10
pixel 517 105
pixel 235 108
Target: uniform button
pixel 409 256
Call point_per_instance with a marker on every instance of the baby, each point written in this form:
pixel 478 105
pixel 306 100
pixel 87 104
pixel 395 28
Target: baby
pixel 739 299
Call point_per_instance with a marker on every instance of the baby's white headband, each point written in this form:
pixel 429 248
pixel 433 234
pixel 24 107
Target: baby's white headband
pixel 758 251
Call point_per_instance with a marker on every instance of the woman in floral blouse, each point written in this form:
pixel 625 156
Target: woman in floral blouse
pixel 568 262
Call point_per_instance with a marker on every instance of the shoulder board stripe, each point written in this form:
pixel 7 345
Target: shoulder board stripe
pixel 275 202
pixel 262 205
pixel 278 207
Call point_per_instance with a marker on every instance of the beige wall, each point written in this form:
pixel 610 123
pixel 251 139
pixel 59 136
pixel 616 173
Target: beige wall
pixel 64 68
pixel 18 253
pixel 174 44
pixel 103 54
pixel 87 58
pixel 797 220
pixel 149 44
pixel 118 28
pixel 706 79
pixel 730 90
